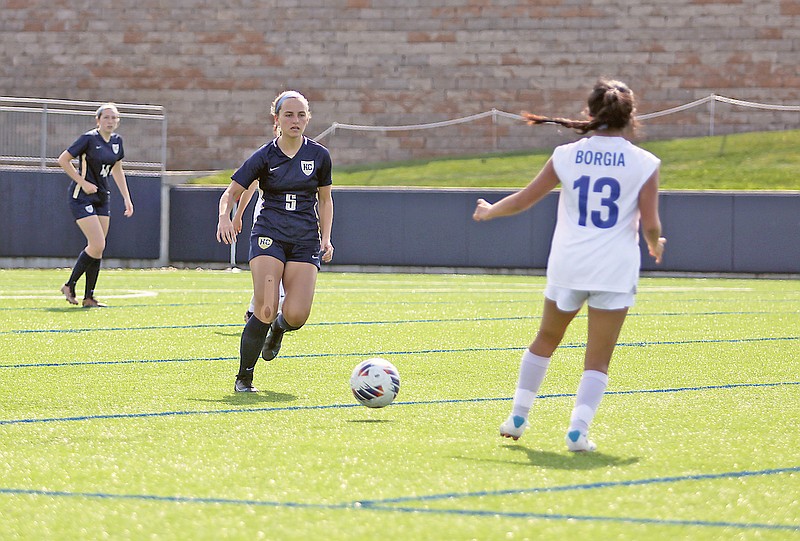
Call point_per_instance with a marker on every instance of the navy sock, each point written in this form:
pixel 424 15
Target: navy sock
pixel 83 262
pixel 281 325
pixel 253 335
pixel 91 276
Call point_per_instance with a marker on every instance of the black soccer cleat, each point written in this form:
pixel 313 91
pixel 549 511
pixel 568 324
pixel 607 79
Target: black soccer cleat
pixel 244 385
pixel 272 344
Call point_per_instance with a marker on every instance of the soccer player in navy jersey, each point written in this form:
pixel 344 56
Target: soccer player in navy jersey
pixel 100 154
pixel 291 234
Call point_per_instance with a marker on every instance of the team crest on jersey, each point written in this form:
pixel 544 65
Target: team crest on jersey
pixel 115 148
pixel 264 242
pixel 89 208
pixel 307 167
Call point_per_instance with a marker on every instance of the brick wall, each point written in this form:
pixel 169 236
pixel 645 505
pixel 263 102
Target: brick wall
pixel 216 66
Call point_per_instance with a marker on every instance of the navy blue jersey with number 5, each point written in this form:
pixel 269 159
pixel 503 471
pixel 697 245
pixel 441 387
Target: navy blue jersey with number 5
pixel 289 187
pixel 96 157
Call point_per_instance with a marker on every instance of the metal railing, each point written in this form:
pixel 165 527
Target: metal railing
pixel 34 132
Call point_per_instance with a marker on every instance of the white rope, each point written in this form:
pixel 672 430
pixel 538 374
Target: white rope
pixel 337 126
pixel 497 113
pixel 676 109
pixel 758 105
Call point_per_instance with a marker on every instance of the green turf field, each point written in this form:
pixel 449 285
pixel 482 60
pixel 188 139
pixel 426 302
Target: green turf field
pixel 122 423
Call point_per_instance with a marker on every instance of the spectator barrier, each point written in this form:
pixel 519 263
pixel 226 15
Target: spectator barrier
pixel 719 232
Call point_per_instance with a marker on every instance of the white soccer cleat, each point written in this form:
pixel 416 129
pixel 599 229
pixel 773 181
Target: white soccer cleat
pixel 578 443
pixel 514 427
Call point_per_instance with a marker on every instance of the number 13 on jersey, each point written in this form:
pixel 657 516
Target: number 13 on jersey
pixel 609 188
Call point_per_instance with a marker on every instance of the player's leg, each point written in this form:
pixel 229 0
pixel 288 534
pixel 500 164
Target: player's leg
pixel 95 244
pixel 252 307
pixel 533 366
pixel 93 270
pixel 266 272
pixel 299 282
pixel 604 329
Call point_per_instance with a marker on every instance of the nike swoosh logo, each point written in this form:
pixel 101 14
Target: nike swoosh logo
pixel 271 169
pixel 97 148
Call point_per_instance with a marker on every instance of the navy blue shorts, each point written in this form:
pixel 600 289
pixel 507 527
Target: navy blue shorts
pixel 284 251
pixel 86 205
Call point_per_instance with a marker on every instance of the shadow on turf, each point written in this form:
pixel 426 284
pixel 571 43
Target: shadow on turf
pixel 69 309
pixel 571 461
pixel 562 461
pixel 234 333
pixel 238 399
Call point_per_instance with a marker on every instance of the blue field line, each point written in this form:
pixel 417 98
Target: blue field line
pixel 383 322
pixel 586 486
pixel 240 325
pixel 588 518
pixel 171 499
pixel 272 409
pixel 410 352
pixel 387 504
pixel 318 292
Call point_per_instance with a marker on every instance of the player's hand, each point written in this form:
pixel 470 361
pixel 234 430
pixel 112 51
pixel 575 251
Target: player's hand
pixel 237 224
pixel 225 231
pixel 327 253
pixel 88 188
pixel 658 250
pixel 482 210
pixel 128 208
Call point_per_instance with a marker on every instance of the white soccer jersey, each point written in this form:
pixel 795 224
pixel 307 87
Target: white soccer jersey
pixel 595 246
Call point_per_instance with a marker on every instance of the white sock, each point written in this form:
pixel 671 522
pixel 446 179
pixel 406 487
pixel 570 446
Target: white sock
pixel 590 392
pixel 531 374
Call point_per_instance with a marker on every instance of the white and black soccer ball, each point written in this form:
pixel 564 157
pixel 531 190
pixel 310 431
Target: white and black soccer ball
pixel 375 382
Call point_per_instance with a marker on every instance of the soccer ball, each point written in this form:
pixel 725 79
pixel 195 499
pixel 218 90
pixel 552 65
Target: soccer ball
pixel 375 382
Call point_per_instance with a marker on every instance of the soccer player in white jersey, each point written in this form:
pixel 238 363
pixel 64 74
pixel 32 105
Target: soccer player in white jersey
pixel 291 235
pixel 99 154
pixel 608 187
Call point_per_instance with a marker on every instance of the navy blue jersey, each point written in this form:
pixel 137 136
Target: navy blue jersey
pixel 96 157
pixel 289 187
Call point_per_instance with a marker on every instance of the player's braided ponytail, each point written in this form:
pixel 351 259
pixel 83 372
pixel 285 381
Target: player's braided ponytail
pixel 611 105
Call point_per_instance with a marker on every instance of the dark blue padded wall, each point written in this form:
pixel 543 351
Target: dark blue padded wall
pixel 724 232
pixel 35 220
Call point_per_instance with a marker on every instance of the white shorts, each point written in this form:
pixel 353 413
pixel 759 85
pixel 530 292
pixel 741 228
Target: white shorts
pixel 571 300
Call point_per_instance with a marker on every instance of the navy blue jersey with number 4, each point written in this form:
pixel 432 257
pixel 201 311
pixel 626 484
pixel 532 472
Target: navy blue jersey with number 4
pixel 96 157
pixel 289 187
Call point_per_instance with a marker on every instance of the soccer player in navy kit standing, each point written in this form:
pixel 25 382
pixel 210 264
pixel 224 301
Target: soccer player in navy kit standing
pixel 291 234
pixel 100 154
pixel 608 187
